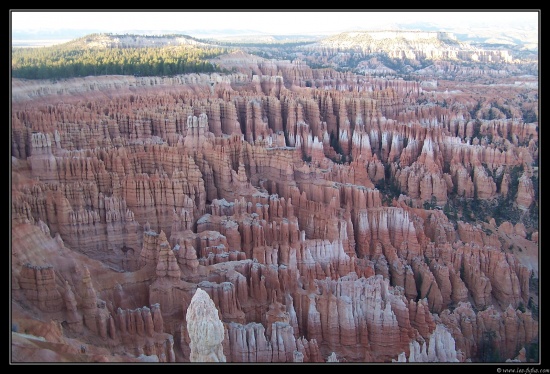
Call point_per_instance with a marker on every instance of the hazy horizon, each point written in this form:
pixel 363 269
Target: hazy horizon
pixel 37 23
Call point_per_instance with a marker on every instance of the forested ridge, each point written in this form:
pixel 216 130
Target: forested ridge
pixel 78 59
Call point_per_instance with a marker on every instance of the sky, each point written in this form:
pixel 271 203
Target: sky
pixel 270 22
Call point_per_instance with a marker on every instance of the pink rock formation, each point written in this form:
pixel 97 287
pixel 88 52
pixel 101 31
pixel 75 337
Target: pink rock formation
pixel 39 285
pixel 439 348
pixel 526 193
pixel 292 199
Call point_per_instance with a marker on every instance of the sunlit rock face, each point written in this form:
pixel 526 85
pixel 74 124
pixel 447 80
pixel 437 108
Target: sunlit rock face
pixel 205 329
pixel 276 214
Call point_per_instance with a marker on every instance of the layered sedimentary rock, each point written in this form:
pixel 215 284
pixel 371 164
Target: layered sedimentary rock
pixel 439 348
pixel 318 216
pixel 526 192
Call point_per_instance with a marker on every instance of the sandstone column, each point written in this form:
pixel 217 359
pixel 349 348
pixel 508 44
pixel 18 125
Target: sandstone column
pixel 205 329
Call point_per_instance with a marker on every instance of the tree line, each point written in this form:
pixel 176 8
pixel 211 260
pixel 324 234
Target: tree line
pixel 68 62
